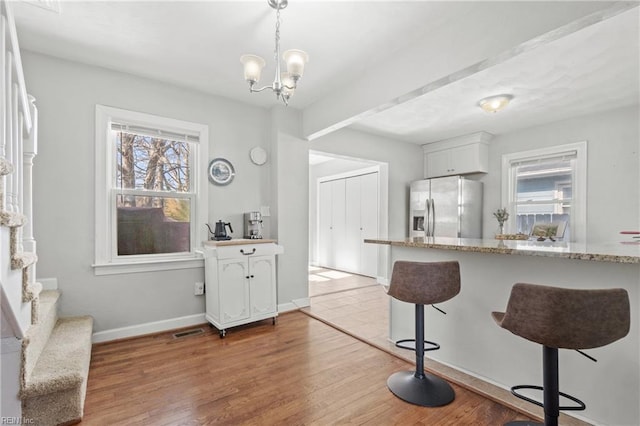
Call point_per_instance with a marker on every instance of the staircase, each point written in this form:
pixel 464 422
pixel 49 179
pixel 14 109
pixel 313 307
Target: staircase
pixel 45 359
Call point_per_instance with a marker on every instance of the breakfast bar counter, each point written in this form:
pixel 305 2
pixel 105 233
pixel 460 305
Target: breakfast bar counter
pixel 471 342
pixel 617 252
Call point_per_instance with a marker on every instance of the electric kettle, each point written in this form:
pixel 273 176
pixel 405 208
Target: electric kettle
pixel 220 233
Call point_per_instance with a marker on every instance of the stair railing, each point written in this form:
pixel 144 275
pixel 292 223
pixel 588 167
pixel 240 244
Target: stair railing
pixel 18 147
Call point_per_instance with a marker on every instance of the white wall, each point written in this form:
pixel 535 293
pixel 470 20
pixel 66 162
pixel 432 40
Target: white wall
pixel 613 175
pixel 290 173
pixel 66 94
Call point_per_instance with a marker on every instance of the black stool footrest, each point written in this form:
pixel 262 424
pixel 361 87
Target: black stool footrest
pixel 433 346
pixel 581 405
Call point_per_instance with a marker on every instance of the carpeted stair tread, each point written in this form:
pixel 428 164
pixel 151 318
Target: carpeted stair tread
pixel 64 361
pixel 37 335
pixel 49 296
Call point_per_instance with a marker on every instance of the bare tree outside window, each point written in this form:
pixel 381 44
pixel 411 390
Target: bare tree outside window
pixel 153 199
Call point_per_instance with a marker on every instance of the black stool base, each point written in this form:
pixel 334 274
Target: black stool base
pixel 430 391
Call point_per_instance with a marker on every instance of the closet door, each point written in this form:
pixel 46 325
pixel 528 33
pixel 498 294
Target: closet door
pixel 369 206
pixel 338 224
pixel 351 259
pixel 325 215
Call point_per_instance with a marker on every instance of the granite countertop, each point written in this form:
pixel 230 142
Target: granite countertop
pixel 615 252
pixel 237 242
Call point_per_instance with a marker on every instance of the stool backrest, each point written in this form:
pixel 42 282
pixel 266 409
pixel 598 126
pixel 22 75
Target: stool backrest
pixel 567 318
pixel 424 283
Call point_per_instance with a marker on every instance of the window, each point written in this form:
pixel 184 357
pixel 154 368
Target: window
pixel 547 186
pixel 151 203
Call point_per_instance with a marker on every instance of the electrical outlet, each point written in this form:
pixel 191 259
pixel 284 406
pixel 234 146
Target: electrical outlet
pixel 198 289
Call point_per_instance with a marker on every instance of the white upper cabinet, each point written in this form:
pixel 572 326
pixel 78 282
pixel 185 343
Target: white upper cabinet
pixel 457 156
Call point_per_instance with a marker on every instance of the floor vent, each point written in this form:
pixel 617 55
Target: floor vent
pixel 188 333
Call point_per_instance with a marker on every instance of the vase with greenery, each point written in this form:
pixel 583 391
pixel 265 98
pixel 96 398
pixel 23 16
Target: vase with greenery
pixel 501 215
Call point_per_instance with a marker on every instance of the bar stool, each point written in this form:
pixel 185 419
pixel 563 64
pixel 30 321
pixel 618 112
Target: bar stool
pixel 422 284
pixel 562 318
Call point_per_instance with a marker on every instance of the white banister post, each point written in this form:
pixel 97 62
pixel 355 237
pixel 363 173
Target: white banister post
pixel 3 96
pixel 30 151
pixel 16 148
pixel 8 133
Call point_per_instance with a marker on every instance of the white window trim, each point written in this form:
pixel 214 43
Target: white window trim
pixel 579 198
pixel 105 263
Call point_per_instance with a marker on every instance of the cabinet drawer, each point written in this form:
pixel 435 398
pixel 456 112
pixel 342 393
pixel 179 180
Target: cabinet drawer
pixel 247 250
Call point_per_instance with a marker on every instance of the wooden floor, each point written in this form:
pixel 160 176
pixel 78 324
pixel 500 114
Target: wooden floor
pixel 324 281
pixel 300 371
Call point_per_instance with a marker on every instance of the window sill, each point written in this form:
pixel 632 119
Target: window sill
pixel 154 265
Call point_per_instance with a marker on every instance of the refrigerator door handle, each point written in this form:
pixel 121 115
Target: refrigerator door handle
pixel 433 218
pixel 427 217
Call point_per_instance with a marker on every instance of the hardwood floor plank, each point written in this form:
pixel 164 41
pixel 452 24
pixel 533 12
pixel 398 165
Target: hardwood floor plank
pixel 300 371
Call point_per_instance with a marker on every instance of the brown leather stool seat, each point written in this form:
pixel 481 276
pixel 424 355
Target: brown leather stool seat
pixel 422 284
pixel 563 318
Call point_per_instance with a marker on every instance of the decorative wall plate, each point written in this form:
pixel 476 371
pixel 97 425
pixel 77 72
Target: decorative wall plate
pixel 258 155
pixel 221 172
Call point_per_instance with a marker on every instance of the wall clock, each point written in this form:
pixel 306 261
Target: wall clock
pixel 258 155
pixel 221 172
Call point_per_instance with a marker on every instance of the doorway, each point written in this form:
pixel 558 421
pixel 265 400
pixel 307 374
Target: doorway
pixel 348 202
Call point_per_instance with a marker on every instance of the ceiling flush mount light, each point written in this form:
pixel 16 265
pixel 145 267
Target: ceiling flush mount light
pixel 495 103
pixel 285 83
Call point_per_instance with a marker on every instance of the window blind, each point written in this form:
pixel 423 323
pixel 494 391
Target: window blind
pixel 156 133
pixel 558 156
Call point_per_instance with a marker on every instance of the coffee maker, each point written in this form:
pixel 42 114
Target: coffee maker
pixel 253 225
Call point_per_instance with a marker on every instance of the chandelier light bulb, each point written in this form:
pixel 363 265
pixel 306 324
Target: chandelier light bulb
pixel 253 66
pixel 296 60
pixel 495 103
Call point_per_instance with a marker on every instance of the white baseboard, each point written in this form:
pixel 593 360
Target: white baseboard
pixel 148 328
pixel 48 283
pixel 294 304
pixel 382 280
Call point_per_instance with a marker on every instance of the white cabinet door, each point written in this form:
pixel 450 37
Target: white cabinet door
pixel 471 158
pixel 458 160
pixel 347 214
pixel 350 261
pixel 338 224
pixel 262 285
pixel 438 163
pixel 233 282
pixel 325 212
pixel 369 206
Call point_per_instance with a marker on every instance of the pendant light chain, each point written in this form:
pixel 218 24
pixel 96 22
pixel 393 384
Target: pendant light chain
pixel 276 52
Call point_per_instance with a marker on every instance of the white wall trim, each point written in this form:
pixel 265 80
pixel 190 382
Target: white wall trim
pixel 105 220
pixel 578 209
pixel 295 304
pixel 148 328
pixel 148 266
pixel 351 173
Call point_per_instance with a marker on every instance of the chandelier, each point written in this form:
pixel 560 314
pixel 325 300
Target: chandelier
pixel 285 83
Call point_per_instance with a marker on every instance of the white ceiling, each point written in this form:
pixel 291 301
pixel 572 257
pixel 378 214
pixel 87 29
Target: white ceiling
pixel 198 44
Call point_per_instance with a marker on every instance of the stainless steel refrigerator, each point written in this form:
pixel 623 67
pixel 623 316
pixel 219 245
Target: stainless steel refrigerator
pixel 446 207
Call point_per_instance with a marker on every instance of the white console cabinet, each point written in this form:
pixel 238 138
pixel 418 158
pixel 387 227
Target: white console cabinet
pixel 240 279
